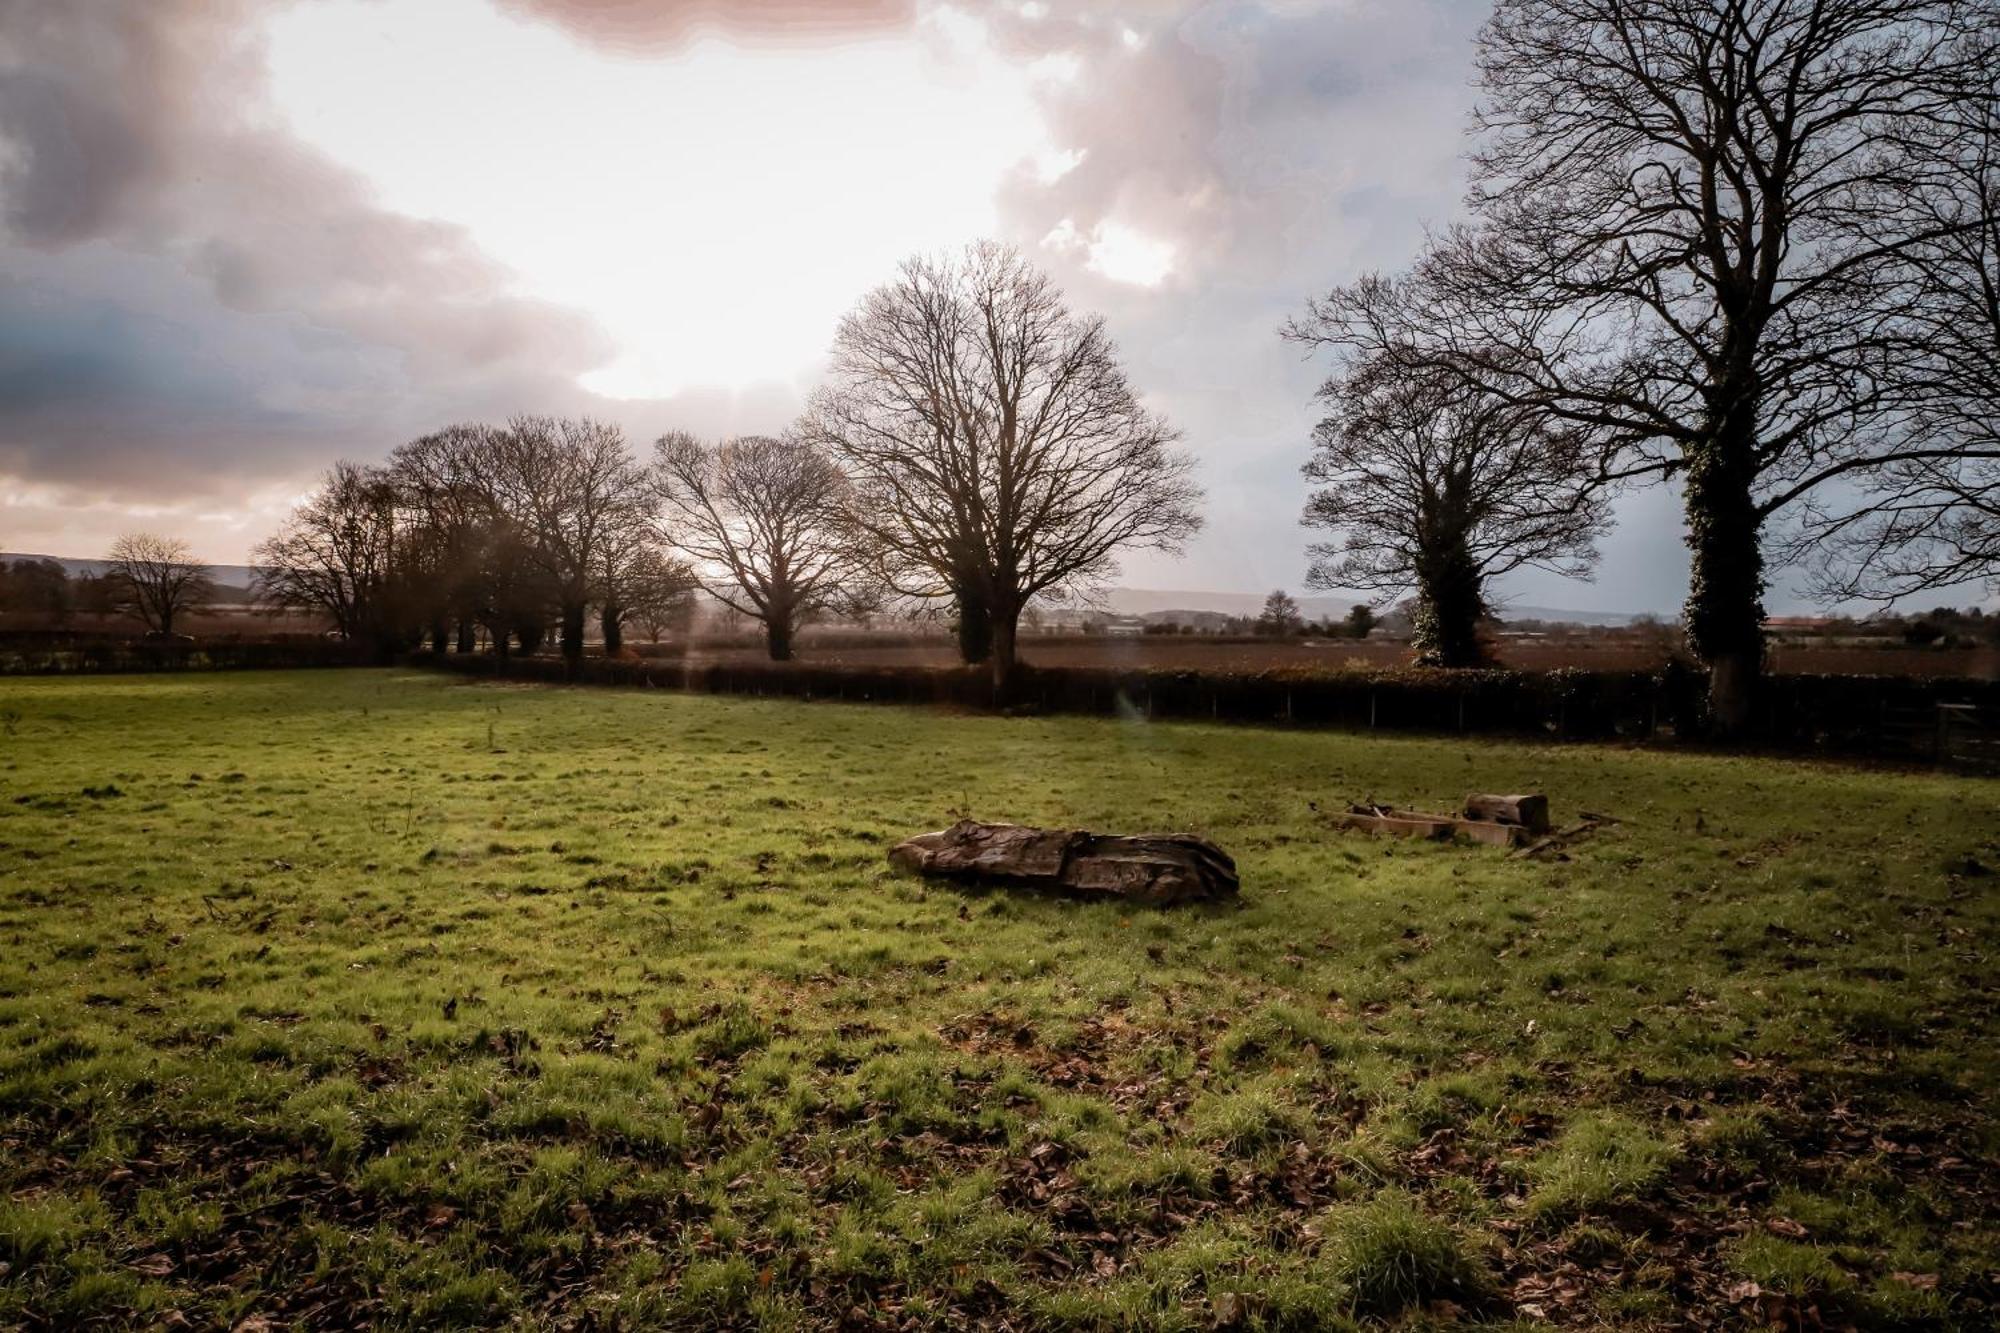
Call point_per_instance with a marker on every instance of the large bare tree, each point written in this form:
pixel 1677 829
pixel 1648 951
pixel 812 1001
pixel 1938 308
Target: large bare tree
pixel 764 521
pixel 997 451
pixel 158 578
pixel 575 491
pixel 1693 222
pixel 1436 488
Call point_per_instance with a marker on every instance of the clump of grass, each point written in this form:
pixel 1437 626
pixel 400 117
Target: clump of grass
pixel 1249 1120
pixel 1278 1034
pixel 1390 1255
pixel 1787 1266
pixel 731 1033
pixel 1441 1103
pixel 1738 1137
pixel 46 1226
pixel 1600 1160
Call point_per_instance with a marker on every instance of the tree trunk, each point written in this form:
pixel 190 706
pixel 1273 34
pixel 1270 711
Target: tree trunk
pixel 611 621
pixel 1451 599
pixel 530 636
pixel 1725 611
pixel 1005 619
pixel 975 622
pixel 438 632
pixel 502 641
pixel 572 631
pixel 778 637
pixel 468 635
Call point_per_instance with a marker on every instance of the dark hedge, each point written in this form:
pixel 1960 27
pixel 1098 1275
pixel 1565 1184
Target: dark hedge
pixel 52 654
pixel 1892 716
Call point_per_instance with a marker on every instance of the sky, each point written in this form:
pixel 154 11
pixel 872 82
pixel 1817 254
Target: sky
pixel 241 239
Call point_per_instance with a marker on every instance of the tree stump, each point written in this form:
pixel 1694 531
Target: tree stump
pixel 1154 870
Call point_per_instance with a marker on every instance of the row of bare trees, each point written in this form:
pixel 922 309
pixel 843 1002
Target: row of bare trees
pixel 977 446
pixel 1748 247
pixel 515 529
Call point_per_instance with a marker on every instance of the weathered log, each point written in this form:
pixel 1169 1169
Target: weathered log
pixel 1157 870
pixel 1402 823
pixel 1418 824
pixel 1530 811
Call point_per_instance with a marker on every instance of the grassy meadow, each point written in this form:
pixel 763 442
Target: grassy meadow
pixel 383 998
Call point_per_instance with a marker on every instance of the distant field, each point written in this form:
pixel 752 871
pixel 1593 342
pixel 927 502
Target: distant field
pixel 1196 653
pixel 382 998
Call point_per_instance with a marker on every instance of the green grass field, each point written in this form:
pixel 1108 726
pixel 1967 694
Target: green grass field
pixel 374 997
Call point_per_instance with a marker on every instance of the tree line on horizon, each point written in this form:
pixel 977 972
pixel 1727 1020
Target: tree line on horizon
pixel 977 446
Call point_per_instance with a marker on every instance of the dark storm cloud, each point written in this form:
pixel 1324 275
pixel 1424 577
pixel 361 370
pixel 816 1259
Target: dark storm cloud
pixel 89 93
pixel 191 298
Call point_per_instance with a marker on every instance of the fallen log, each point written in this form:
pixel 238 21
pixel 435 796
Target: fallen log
pixel 1158 870
pixel 1529 811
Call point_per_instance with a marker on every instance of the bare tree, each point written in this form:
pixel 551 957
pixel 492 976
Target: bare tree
pixel 659 596
pixel 1932 520
pixel 158 578
pixel 1437 488
pixel 572 487
pixel 511 592
pixel 441 484
pixel 343 553
pixel 996 449
pixel 1280 615
pixel 764 521
pixel 638 583
pixel 1693 222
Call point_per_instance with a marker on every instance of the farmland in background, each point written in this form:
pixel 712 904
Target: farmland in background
pixel 1201 653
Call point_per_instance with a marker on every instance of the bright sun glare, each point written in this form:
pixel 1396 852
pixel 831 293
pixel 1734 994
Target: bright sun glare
pixel 716 209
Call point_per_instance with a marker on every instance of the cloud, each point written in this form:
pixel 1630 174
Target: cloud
pixel 653 26
pixel 191 298
pixel 197 308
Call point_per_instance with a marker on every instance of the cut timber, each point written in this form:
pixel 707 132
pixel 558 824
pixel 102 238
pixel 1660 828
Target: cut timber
pixel 1529 811
pixel 1156 870
pixel 1417 824
pixel 1402 823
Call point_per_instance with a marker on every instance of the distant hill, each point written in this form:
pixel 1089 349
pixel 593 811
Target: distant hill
pixel 1153 601
pixel 1149 601
pixel 228 576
